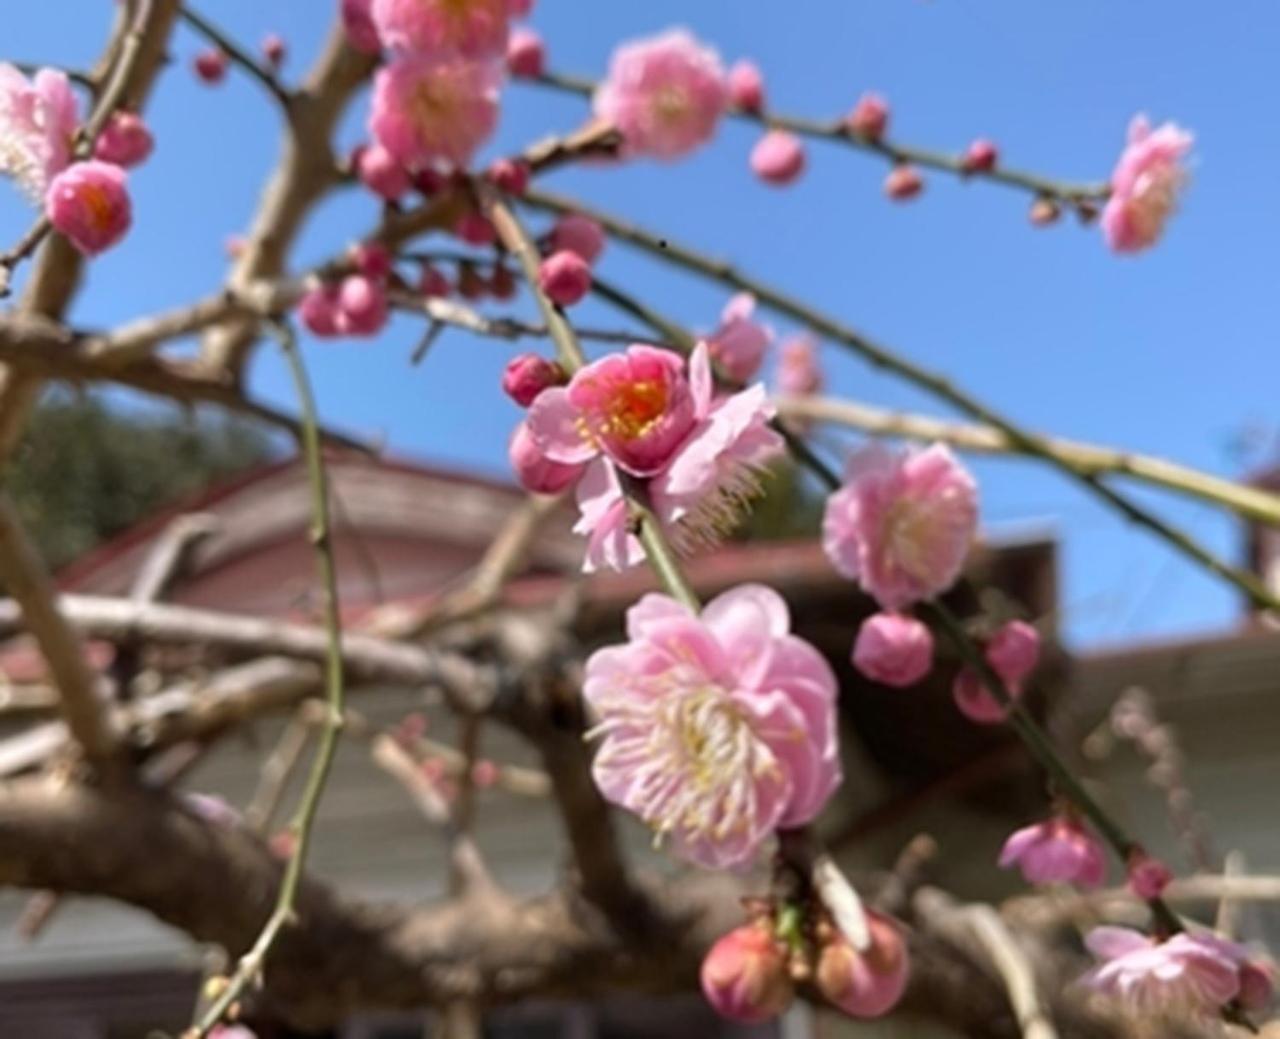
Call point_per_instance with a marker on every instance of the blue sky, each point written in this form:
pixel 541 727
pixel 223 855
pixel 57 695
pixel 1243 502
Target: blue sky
pixel 1172 353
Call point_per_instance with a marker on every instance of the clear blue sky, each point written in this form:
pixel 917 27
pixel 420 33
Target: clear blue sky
pixel 1172 353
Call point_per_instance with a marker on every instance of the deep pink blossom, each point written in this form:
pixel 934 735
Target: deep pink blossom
pixel 474 228
pixel 664 94
pixel 1145 185
pixel 535 471
pixel 38 120
pixel 778 157
pixel 738 346
pixel 715 729
pixel 865 984
pixel 745 85
pixel 89 203
pixel 372 259
pixel 1056 851
pixel 579 234
pixel 902 523
pixel 526 53
pixel 357 21
pixel 362 305
pixel 318 310
pixel 799 373
pixel 565 277
pixel 744 975
pixel 443 28
pixel 974 700
pixel 527 375
pixel 1188 973
pixel 125 140
pixel 893 649
pixel 870 116
pixel 381 172
pixel 509 175
pixel 426 111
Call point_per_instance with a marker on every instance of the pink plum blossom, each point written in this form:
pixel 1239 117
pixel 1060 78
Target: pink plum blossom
pixel 356 306
pixel 980 156
pixel 426 111
pixel 535 471
pixel 799 374
pixel 664 94
pixel 1189 973
pixel 974 700
pixel 870 116
pixel 526 54
pixel 715 729
pixel 1145 185
pixel 893 649
pixel 38 120
pixel 474 228
pixel 865 984
pixel 565 277
pixel 739 344
pixel 371 258
pixel 902 523
pixel 357 21
pixel 579 234
pixel 527 375
pixel 509 175
pixel 443 28
pixel 744 975
pixel 89 203
pixel 125 140
pixel 1057 851
pixel 778 157
pixel 745 85
pixel 381 172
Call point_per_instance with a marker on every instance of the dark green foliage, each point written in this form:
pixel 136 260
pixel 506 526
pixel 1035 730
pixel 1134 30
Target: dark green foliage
pixel 86 471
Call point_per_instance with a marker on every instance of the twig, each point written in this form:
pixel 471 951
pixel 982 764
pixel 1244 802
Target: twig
pixel 876 355
pixel 24 577
pixel 238 54
pixel 23 248
pixel 169 554
pixel 836 131
pixel 250 965
pixel 1085 458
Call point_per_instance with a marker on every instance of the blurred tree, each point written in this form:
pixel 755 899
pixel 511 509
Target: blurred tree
pixel 86 471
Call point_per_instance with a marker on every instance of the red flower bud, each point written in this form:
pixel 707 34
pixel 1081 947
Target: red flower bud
pixel 745 976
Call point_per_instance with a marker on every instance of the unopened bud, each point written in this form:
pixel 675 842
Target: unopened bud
pixel 1044 211
pixel 745 976
pixel 865 984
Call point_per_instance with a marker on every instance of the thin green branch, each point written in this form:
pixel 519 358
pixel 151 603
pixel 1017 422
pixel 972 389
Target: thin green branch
pixel 836 131
pixel 250 965
pixel 1022 440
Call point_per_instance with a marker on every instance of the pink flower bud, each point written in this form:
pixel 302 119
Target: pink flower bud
pixel 745 977
pixel 89 203
pixel 527 375
pixel 210 65
pixel 1057 851
pixel 1013 652
pixel 357 21
pixel 470 285
pixel 866 984
pixel 234 245
pixel 579 234
pixel 510 175
pixel 484 774
pixel 362 303
pixel 525 53
pixel 432 283
pixel 318 310
pixel 980 156
pixel 502 283
pixel 372 259
pixel 893 649
pixel 125 140
pixel 381 172
pixel 870 117
pixel 799 373
pixel 565 277
pixel 746 87
pixel 975 701
pixel 1043 212
pixel 903 182
pixel 274 50
pixel 535 471
pixel 1257 981
pixel 1148 877
pixel 429 181
pixel 475 229
pixel 778 157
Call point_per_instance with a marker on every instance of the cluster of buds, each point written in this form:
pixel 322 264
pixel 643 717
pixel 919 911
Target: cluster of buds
pixel 752 974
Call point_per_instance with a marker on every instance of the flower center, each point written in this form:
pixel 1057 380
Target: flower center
pixel 432 102
pixel 1154 199
pixel 98 208
pixel 908 529
pixel 670 105
pixel 632 409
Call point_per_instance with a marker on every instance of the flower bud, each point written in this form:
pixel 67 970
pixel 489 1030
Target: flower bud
pixel 746 87
pixel 474 229
pixel 980 156
pixel 372 259
pixel 318 310
pixel 565 277
pixel 1043 212
pixel 484 774
pixel 893 649
pixel 357 22
pixel 525 53
pixel 471 286
pixel 381 172
pixel 903 182
pixel 210 65
pixel 778 157
pixel 535 471
pixel 88 202
pixel 579 234
pixel 502 283
pixel 870 983
pixel 510 175
pixel 1013 652
pixel 432 283
pixel 1257 981
pixel 428 181
pixel 974 699
pixel 124 141
pixel 745 976
pixel 527 375
pixel 870 117
pixel 1148 877
pixel 362 304
pixel 274 50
